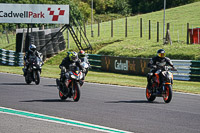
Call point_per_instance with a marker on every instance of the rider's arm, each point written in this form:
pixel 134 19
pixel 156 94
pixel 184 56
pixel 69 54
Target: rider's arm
pixel 78 63
pixel 65 62
pixel 152 63
pixel 26 56
pixel 169 62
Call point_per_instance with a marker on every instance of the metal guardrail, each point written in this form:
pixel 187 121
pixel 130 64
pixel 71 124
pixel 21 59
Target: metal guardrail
pixel 95 61
pixel 11 58
pixel 187 70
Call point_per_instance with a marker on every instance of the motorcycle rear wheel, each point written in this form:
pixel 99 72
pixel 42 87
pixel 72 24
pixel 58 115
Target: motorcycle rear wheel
pixel 168 96
pixel 76 92
pixel 149 96
pixel 27 79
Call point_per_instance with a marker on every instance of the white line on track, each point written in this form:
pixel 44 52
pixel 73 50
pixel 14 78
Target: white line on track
pixel 58 120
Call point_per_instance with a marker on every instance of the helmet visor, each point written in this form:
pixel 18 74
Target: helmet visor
pixel 161 55
pixel 74 58
pixel 82 55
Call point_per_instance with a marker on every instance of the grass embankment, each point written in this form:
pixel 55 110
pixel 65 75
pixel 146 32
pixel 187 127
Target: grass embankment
pixel 52 71
pixel 134 46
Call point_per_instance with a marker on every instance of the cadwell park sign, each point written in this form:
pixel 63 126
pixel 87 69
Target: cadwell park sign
pixel 34 13
pixel 125 65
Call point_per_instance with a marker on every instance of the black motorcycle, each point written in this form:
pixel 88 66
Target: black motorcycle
pixel 34 70
pixel 70 85
pixel 161 86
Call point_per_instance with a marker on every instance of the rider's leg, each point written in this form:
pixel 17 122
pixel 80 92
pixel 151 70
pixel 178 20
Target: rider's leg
pixel 149 77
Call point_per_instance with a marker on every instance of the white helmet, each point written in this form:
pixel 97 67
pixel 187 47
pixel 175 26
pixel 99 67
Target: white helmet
pixel 32 47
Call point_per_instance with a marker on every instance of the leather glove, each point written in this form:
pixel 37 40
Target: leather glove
pixel 154 67
pixel 63 68
pixel 84 70
pixel 174 68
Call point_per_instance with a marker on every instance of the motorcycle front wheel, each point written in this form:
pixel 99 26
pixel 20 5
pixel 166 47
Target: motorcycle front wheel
pixel 28 81
pixel 149 96
pixel 167 97
pixel 76 92
pixel 62 97
pixel 37 77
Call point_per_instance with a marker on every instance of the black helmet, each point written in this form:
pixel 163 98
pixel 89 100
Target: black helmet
pixel 81 54
pixel 161 53
pixel 32 48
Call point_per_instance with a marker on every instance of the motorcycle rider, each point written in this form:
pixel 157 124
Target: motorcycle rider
pixel 156 63
pixel 83 57
pixel 72 57
pixel 31 52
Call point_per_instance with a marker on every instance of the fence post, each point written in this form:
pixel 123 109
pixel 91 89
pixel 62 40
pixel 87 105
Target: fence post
pixel 98 28
pixel 68 39
pixel 84 28
pixel 80 33
pixel 112 28
pixel 149 29
pixel 7 37
pixel 157 31
pixel 126 28
pixel 141 27
pixel 187 33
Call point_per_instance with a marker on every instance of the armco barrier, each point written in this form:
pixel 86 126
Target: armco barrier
pixel 188 70
pixel 11 58
pixel 95 61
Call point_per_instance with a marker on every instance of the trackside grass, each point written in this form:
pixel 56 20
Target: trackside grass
pixel 52 71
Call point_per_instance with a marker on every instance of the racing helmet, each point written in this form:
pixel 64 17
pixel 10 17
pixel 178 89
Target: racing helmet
pixel 73 56
pixel 161 53
pixel 32 48
pixel 81 54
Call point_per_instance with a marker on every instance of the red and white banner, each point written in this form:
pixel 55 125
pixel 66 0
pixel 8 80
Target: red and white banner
pixel 34 13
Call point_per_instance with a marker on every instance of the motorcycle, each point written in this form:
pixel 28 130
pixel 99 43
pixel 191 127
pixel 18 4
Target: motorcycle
pixel 70 85
pixel 85 64
pixel 34 70
pixel 161 86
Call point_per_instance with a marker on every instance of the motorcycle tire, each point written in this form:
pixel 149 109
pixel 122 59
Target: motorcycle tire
pixel 27 79
pixel 62 97
pixel 149 96
pixel 76 94
pixel 37 77
pixel 168 96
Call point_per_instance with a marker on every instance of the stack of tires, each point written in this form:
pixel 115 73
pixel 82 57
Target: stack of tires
pixel 43 41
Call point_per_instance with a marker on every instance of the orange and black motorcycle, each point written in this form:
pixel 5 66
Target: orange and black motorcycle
pixel 161 84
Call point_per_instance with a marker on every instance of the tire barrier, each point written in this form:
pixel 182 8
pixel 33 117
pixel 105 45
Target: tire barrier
pixel 188 70
pixel 49 46
pixel 56 48
pixel 39 38
pixel 11 58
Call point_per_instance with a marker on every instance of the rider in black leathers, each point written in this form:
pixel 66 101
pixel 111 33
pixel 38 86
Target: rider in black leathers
pixel 31 52
pixel 71 58
pixel 157 62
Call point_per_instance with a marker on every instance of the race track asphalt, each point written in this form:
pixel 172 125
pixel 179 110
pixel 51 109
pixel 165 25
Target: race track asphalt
pixel 124 108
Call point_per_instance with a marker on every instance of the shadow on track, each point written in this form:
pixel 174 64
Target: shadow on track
pixel 47 100
pixel 134 101
pixel 50 86
pixel 14 84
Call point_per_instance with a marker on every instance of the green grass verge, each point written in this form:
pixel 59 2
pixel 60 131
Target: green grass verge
pixel 52 71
